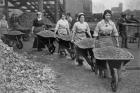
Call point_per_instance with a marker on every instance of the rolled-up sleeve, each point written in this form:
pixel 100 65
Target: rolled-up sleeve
pixel 88 29
pixel 57 26
pixel 115 31
pixel 96 31
pixel 74 28
pixel 7 24
pixel 0 23
pixel 68 25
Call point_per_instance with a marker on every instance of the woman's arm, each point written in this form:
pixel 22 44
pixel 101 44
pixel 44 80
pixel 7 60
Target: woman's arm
pixel 73 31
pixel 7 24
pixel 0 23
pixel 96 31
pixel 33 26
pixel 117 41
pixel 32 31
pixel 88 30
pixel 56 28
pixel 116 34
pixel 68 28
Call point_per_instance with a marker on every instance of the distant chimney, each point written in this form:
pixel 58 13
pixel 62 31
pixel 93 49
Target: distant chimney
pixel 121 6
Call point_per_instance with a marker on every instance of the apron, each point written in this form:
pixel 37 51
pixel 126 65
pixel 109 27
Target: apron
pixel 62 31
pixel 104 41
pixel 3 29
pixel 80 35
pixel 38 40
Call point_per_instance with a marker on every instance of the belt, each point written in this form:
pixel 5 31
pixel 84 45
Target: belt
pixel 81 32
pixel 104 34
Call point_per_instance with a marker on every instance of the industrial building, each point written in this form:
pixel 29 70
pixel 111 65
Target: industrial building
pixel 76 6
pixel 52 8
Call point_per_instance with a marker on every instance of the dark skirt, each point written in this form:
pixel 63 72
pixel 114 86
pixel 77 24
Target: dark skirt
pixel 39 42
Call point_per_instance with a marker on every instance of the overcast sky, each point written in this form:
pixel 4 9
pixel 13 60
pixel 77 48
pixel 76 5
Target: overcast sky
pixel 101 5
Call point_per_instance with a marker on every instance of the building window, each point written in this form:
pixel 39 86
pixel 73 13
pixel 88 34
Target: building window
pixel 1 2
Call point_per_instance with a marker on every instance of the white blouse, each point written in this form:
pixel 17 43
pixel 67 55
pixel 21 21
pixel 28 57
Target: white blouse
pixel 3 24
pixel 62 24
pixel 106 28
pixel 81 27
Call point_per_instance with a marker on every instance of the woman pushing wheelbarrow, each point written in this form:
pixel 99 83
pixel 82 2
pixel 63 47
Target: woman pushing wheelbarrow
pixel 109 59
pixel 62 32
pixel 83 44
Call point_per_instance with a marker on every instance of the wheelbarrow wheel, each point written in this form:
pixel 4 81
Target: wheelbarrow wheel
pixel 26 37
pixel 115 79
pixel 52 49
pixel 19 44
pixel 114 86
pixel 11 43
pixel 72 54
pixel 62 51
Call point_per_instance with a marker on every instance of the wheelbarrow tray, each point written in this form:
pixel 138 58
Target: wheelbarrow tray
pixel 46 33
pixel 86 43
pixel 112 53
pixel 15 33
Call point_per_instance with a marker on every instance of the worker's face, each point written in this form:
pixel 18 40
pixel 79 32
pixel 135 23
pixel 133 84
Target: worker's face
pixel 39 15
pixel 3 17
pixel 82 18
pixel 108 16
pixel 63 17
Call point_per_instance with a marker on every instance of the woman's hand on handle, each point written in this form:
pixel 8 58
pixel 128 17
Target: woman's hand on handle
pixel 117 41
pixel 72 40
pixel 117 45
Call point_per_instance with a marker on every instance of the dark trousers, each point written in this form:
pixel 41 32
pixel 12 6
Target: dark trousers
pixel 85 53
pixel 124 39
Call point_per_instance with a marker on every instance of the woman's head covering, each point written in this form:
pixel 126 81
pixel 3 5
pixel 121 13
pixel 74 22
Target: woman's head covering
pixel 107 11
pixel 39 13
pixel 62 15
pixel 80 14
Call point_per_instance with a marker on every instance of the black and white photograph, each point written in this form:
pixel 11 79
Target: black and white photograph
pixel 69 46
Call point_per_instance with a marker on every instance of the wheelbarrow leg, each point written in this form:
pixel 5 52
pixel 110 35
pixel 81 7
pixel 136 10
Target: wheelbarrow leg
pixel 89 58
pixel 71 51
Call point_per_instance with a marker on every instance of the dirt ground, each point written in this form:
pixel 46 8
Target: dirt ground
pixel 74 79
